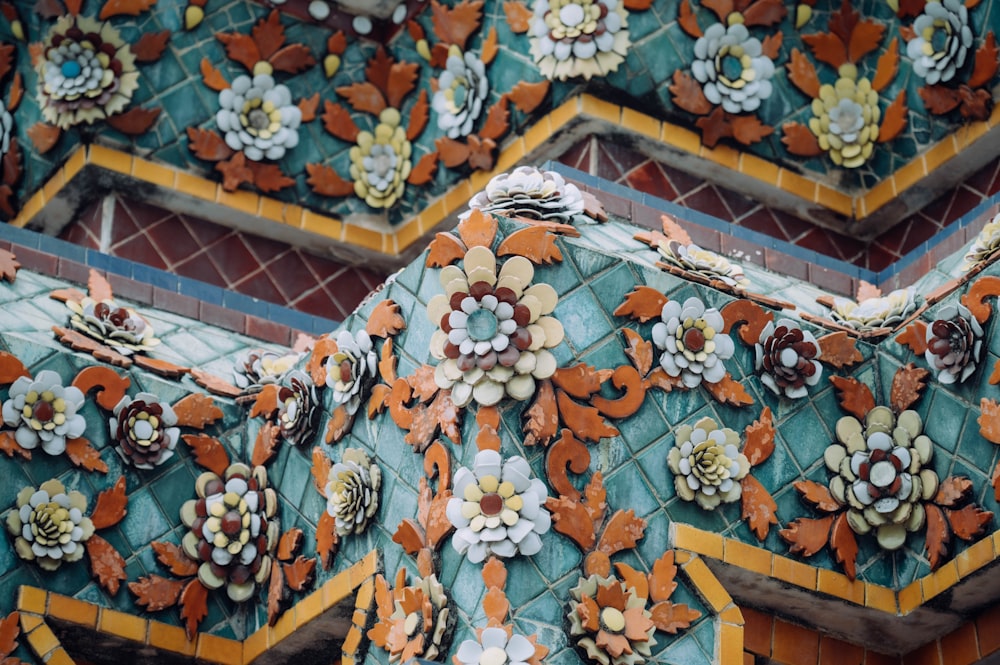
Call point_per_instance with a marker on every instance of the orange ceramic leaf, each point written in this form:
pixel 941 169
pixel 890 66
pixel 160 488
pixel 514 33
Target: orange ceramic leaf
pixel 487 438
pixel 387 363
pixel 771 45
pixel 110 508
pixel 688 95
pixel 300 573
pixel 623 532
pixel 418 116
pixel 799 140
pixel 338 122
pixel 838 349
pixel 534 243
pixel 585 421
pixel 758 507
pixel 266 444
pixel 495 604
pixel 986 62
pixel 8 266
pixel 269 35
pixel 268 177
pixel 16 92
pixel 126 7
pixel 528 96
pixel 453 25
pixel 325 181
pixel 662 582
pixel 571 519
pixel 970 522
pixel 423 170
pixel 235 172
pixel 208 145
pixel 748 129
pixel 938 535
pixel 150 46
pixel 888 65
pixel 155 593
pixel 894 119
pixel 643 304
pixel 721 8
pixel 802 73
pixel 865 38
pixel 326 539
pixel 194 607
pixel 197 410
pixel 494 574
pixel 106 564
pixel 975 299
pixel 98 286
pixel 989 420
pixel 440 415
pixel 753 317
pixel 844 545
pixel 541 419
pixel 307 107
pixel 292 59
pixel 914 337
pixel 209 453
pixel 10 628
pixel 241 48
pixel 953 491
pixel 214 384
pixel 580 380
pixel 566 453
pixel 729 391
pixel 80 342
pixel 82 454
pixel 173 558
pixel 438 525
pixel 363 96
pixel 289 544
pixel 161 367
pixel 11 369
pixel 452 153
pixel 855 397
pixel 826 48
pixel 320 469
pixel 410 536
pixel 714 127
pixel 632 578
pixel 595 496
pixel 807 536
pixel 397 400
pixel 907 386
pixel 638 350
pixel 627 380
pixel 688 21
pixel 385 320
pixel 437 462
pixel 277 594
pixel 497 121
pixel 671 617
pixel 112 386
pixel 939 99
pixel 478 229
pixel 402 79
pixel 265 402
pixel 422 381
pixel 9 446
pixel 759 438
pixel 818 495
pixel 444 250
pixel 867 290
pixel 518 16
pixel 658 378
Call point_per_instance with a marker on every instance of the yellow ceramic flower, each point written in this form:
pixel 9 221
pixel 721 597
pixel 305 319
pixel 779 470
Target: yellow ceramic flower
pixel 846 118
pixel 380 162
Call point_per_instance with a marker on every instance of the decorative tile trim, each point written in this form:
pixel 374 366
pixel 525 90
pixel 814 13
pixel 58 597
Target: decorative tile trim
pixel 351 590
pixel 729 627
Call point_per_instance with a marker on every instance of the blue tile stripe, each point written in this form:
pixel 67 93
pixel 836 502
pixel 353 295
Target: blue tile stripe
pixel 209 293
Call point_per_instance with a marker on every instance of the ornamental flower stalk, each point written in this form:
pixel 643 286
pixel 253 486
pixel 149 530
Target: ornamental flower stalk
pixel 143 429
pixel 692 343
pixel 707 464
pixel 352 491
pixel 731 68
pixel 44 412
pixel 49 525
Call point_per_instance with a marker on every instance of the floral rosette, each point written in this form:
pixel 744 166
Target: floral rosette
pixel 257 116
pixel 787 358
pixel 142 428
pixel 707 464
pixel 258 367
pixel 610 622
pixel 119 327
pixel 531 193
pixel 44 412
pixel 579 37
pixel 49 525
pixel 352 492
pixel 954 344
pixel 495 647
pixel 233 530
pixel 886 311
pixel 298 408
pixel 380 162
pixel 732 69
pixel 351 369
pixel 846 118
pixel 691 342
pixel 703 262
pixel 462 90
pixel 941 40
pixel 494 332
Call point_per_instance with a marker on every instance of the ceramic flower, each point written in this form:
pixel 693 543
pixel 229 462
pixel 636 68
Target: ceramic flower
pixel 691 342
pixel 142 428
pixel 6 128
pixel 731 67
pixel 44 412
pixel 298 408
pixel 86 72
pixel 380 162
pixel 882 473
pixel 258 117
pixel 497 508
pixel 529 192
pixel 885 311
pixel 585 38
pixel 119 327
pixel 233 529
pixel 610 622
pixel 942 38
pixel 707 464
pixel 702 261
pixel 494 332
pixel 49 525
pixel 954 344
pixel 462 91
pixel 351 369
pixel 412 620
pixel 846 118
pixel 257 367
pixel 985 244
pixel 495 647
pixel 352 491
pixel 787 357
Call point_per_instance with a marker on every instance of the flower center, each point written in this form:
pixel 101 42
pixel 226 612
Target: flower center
pixel 694 339
pixel 493 656
pixel 43 411
pixel 613 620
pixel 48 523
pixel 231 523
pixel 882 474
pixel 482 325
pixel 71 69
pixel 491 504
pixel 346 370
pixel 142 429
pixel 939 39
pixel 731 66
pixel 258 119
pixel 571 15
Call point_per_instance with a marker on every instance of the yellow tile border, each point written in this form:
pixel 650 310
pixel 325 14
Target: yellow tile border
pixel 355 584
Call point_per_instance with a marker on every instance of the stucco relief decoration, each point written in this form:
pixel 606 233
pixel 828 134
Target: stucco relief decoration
pixel 352 492
pixel 684 258
pixel 43 412
pixel 883 483
pixel 256 368
pixel 941 43
pixel 954 344
pixel 351 369
pixel 732 69
pixel 51 527
pixel 10 147
pixel 88 73
pixel 707 463
pixel 382 159
pixel 848 121
pixel 291 409
pixel 258 121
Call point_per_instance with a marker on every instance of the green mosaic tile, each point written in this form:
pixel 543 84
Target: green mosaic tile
pixel 944 420
pixel 807 436
pixel 628 490
pixel 145 521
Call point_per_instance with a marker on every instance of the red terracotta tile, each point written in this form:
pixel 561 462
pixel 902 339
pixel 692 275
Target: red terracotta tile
pixel 964 201
pixel 762 220
pixel 73 271
pixel 265 249
pixel 647 217
pixel 174 241
pixel 624 156
pixel 756 631
pixel 872 658
pixel 322 268
pixel 348 289
pixel 707 200
pixel 142 213
pixel 205 231
pixel 123 226
pixel 32 259
pixel 618 206
pixel 682 182
pixel 831 244
pixel 269 331
pixel 879 258
pixel 175 302
pixel 983 179
pixel 742 250
pixel 959 646
pixel 649 178
pixel 232 258
pixel 80 234
pixel 937 209
pixel 737 203
pixel 929 654
pixel 794 645
pixel 785 264
pixel 607 166
pixel 260 285
pixel 290 278
pixel 705 238
pixel 831 280
pixel 200 268
pixel 141 250
pixel 988 630
pixel 220 316
pixel 319 303
pixel 578 157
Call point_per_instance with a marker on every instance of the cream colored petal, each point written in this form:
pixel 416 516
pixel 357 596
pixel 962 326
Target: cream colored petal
pixel 480 257
pixel 546 295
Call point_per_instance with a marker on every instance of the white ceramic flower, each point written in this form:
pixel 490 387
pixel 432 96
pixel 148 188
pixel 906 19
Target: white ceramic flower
pixel 707 464
pixel 692 343
pixel 846 118
pixel 786 356
pixel 44 412
pixel 494 332
pixel 351 369
pixel 585 38
pixel 494 648
pixel 942 38
pixel 885 311
pixel 731 68
pixel 352 491
pixel 380 162
pixel 462 91
pixel 258 117
pixel 954 344
pixel 50 525
pixel 119 327
pixel 497 508
pixel 532 193
pixel 985 244
pixel 702 261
